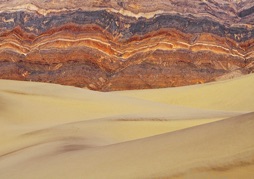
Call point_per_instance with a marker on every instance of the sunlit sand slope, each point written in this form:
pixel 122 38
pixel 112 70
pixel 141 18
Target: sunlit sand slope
pixel 234 95
pixel 223 148
pixel 53 131
pixel 51 112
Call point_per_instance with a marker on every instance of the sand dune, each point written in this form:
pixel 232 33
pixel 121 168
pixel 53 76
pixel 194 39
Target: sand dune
pixel 53 131
pixel 30 107
pixel 177 154
pixel 230 95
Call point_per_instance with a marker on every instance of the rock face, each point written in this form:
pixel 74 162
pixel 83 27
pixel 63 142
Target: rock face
pixel 126 44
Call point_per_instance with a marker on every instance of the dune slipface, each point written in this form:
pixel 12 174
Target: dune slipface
pixel 125 44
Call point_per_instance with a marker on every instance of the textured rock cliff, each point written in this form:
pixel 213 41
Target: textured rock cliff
pixel 126 44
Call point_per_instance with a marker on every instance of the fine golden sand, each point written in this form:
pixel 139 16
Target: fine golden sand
pixel 200 131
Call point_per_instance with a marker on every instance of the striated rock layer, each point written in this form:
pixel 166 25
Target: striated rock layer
pixel 125 44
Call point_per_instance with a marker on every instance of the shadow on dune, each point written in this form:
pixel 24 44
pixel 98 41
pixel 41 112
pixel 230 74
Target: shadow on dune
pixel 2 104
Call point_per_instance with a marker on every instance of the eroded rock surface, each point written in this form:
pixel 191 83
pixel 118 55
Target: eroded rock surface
pixel 119 45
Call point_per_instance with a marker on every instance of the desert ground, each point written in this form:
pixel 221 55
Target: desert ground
pixel 198 131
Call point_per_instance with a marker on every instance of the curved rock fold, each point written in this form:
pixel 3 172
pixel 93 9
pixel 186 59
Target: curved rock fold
pixel 119 45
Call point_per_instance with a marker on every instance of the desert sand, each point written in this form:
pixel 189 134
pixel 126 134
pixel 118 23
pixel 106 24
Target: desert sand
pixel 199 131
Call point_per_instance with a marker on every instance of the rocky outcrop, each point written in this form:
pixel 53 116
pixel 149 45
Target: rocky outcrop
pixel 119 45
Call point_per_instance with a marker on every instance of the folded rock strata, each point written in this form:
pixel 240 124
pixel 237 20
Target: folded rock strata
pixel 125 44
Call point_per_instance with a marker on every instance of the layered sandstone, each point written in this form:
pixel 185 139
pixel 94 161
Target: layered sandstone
pixel 117 45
